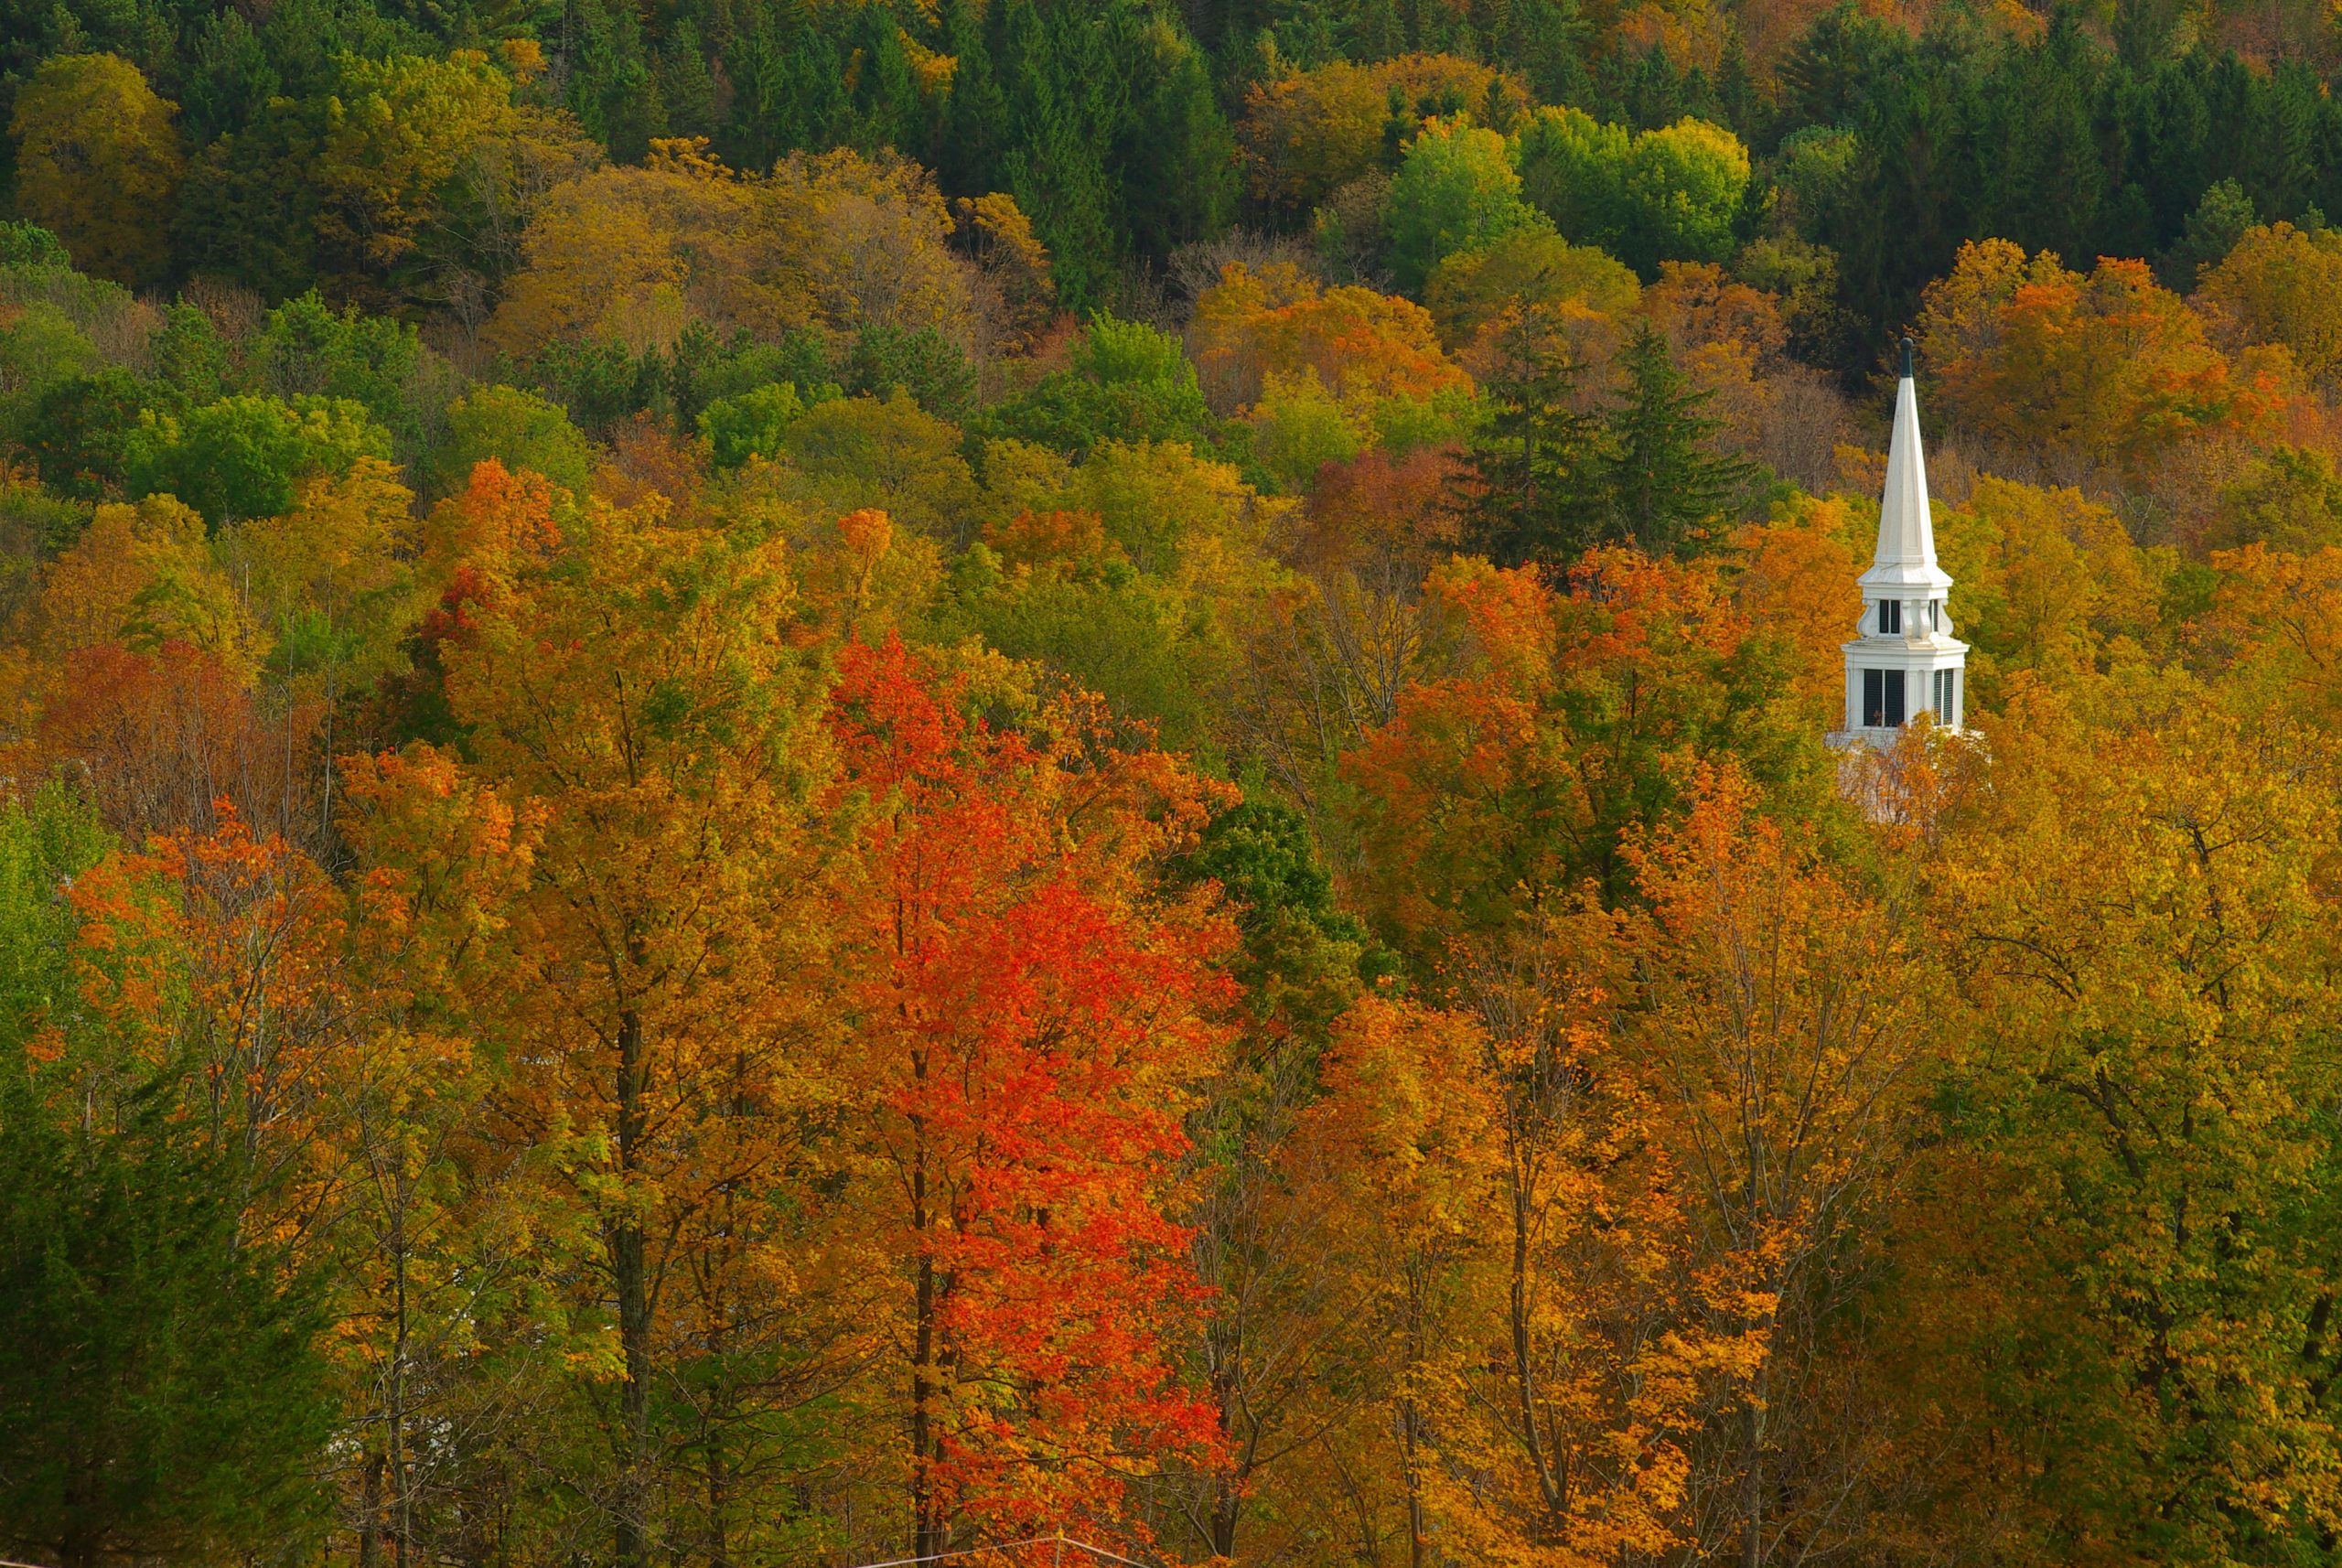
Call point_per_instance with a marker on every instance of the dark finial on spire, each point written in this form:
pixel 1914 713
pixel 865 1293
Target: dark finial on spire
pixel 1906 358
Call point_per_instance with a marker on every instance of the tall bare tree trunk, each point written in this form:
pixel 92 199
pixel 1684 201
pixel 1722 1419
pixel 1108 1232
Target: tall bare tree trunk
pixel 627 1267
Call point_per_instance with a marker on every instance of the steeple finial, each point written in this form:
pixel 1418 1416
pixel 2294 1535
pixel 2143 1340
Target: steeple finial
pixel 1907 356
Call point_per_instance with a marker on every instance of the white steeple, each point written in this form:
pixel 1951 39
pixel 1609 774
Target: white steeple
pixel 1903 659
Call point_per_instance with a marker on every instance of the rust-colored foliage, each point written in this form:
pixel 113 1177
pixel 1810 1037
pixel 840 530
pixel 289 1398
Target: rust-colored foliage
pixel 161 737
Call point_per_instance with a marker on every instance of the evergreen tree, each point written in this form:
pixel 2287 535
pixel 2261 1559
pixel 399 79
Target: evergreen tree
pixel 1550 43
pixel 790 85
pixel 1651 92
pixel 1539 470
pixel 685 84
pixel 2219 221
pixel 1375 32
pixel 159 1397
pixel 2043 112
pixel 1828 76
pixel 248 212
pixel 1058 90
pixel 1735 95
pixel 2282 170
pixel 967 152
pixel 1178 160
pixel 227 79
pixel 1667 492
pixel 883 110
pixel 612 88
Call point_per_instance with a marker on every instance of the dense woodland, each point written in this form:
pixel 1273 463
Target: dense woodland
pixel 786 782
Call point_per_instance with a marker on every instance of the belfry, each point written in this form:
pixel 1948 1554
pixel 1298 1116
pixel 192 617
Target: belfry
pixel 1904 659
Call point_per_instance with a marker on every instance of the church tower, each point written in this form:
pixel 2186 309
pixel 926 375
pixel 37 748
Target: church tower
pixel 1904 659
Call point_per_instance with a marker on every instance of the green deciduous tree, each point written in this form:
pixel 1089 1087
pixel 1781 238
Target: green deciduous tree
pixel 1128 383
pixel 244 457
pixel 749 426
pixel 1573 169
pixel 1456 190
pixel 1684 185
pixel 1667 195
pixel 519 428
pixel 78 431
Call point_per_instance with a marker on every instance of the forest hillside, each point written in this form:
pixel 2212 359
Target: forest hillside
pixel 787 783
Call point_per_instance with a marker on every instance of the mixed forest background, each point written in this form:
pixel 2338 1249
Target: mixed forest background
pixel 796 782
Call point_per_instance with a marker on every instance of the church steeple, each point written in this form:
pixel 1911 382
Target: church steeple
pixel 1904 658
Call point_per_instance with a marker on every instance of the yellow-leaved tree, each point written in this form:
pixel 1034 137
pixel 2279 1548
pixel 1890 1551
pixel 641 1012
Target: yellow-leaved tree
pixel 99 163
pixel 631 693
pixel 2143 911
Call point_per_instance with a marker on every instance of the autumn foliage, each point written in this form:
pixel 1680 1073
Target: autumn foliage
pixel 1039 782
pixel 1031 1039
pixel 2107 364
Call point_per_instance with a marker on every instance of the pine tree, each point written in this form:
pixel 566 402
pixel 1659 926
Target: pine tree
pixel 685 84
pixel 1735 92
pixel 884 109
pixel 1178 161
pixel 159 1394
pixel 1548 45
pixel 2219 221
pixel 612 88
pixel 1538 472
pixel 1668 492
pixel 1057 90
pixel 967 156
pixel 1375 32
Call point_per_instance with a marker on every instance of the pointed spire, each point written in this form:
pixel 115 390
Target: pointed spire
pixel 1907 533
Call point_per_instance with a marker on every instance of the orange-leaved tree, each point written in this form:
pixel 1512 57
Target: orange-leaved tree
pixel 1278 321
pixel 1783 1027
pixel 2108 365
pixel 1571 1437
pixel 1029 1024
pixel 216 952
pixel 1561 727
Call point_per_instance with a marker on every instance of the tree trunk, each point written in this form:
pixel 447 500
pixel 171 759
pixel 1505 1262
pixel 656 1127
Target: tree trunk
pixel 930 1524
pixel 626 1266
pixel 370 1515
pixel 719 1498
pixel 1752 1482
pixel 1228 1485
pixel 1411 1424
pixel 927 1515
pixel 394 1411
pixel 1524 1365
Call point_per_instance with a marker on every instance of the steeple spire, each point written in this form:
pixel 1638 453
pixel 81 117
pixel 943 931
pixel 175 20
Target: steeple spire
pixel 1903 659
pixel 1907 532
